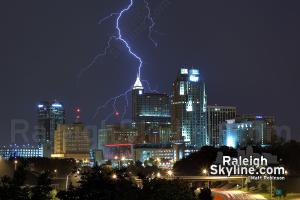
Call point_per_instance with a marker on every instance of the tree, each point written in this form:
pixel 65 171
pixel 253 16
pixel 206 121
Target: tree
pixel 99 183
pixel 163 189
pixel 43 188
pixel 205 194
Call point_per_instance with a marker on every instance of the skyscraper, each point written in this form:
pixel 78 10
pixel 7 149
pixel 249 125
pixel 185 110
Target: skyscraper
pixel 216 115
pixel 189 107
pixel 150 113
pixel 149 107
pixel 49 115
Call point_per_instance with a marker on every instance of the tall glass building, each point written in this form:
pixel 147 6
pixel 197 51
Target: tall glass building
pixel 189 107
pixel 49 115
pixel 151 113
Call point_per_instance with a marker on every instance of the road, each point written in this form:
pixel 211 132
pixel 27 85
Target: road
pixel 235 195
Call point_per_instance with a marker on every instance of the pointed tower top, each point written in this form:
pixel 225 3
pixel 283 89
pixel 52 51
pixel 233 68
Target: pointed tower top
pixel 138 84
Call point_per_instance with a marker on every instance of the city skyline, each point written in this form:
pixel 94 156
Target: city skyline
pixel 259 96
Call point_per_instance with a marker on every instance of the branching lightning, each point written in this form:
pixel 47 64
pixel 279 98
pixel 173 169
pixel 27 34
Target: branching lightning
pixel 149 87
pixel 118 37
pixel 150 28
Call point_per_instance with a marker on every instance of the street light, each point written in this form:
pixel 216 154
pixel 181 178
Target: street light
pixel 286 172
pixel 15 162
pixel 170 172
pixel 114 176
pixel 67 180
pixel 158 175
pixel 205 172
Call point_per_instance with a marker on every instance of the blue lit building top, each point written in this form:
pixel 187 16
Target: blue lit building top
pixel 189 107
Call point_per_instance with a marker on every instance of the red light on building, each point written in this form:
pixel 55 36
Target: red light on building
pixel 118 145
pixel 77 114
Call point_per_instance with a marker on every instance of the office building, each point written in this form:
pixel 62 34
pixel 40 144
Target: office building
pixel 22 151
pixel 117 134
pixel 49 115
pixel 216 115
pixel 151 114
pixel 72 141
pixel 189 108
pixel 248 130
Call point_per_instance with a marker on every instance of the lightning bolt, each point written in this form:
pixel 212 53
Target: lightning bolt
pixel 118 37
pixel 150 28
pixel 149 87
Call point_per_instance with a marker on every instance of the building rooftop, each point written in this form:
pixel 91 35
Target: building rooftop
pixel 138 84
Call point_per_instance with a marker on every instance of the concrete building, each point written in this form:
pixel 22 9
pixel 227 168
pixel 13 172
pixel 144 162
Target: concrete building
pixel 72 141
pixel 216 115
pixel 189 108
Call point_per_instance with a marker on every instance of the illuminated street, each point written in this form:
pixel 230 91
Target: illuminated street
pixel 234 195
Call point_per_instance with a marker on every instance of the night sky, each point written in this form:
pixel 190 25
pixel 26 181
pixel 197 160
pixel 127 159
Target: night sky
pixel 246 51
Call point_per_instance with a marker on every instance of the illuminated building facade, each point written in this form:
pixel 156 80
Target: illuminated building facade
pixel 72 141
pixel 164 154
pixel 189 107
pixel 24 151
pixel 118 151
pixel 216 115
pixel 49 115
pixel 151 114
pixel 248 130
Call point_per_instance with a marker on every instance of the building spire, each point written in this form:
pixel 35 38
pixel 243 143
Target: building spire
pixel 138 83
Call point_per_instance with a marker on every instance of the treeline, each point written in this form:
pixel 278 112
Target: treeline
pixel 98 183
pixel 195 163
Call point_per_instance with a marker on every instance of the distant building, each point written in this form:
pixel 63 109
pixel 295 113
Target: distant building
pixel 165 154
pixel 118 151
pixel 151 114
pixel 189 108
pixel 216 115
pixel 72 141
pixel 117 134
pixel 247 153
pixel 248 130
pixel 49 115
pixel 22 151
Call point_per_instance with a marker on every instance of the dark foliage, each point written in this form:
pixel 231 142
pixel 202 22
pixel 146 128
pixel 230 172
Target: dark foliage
pixel 205 194
pixel 167 190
